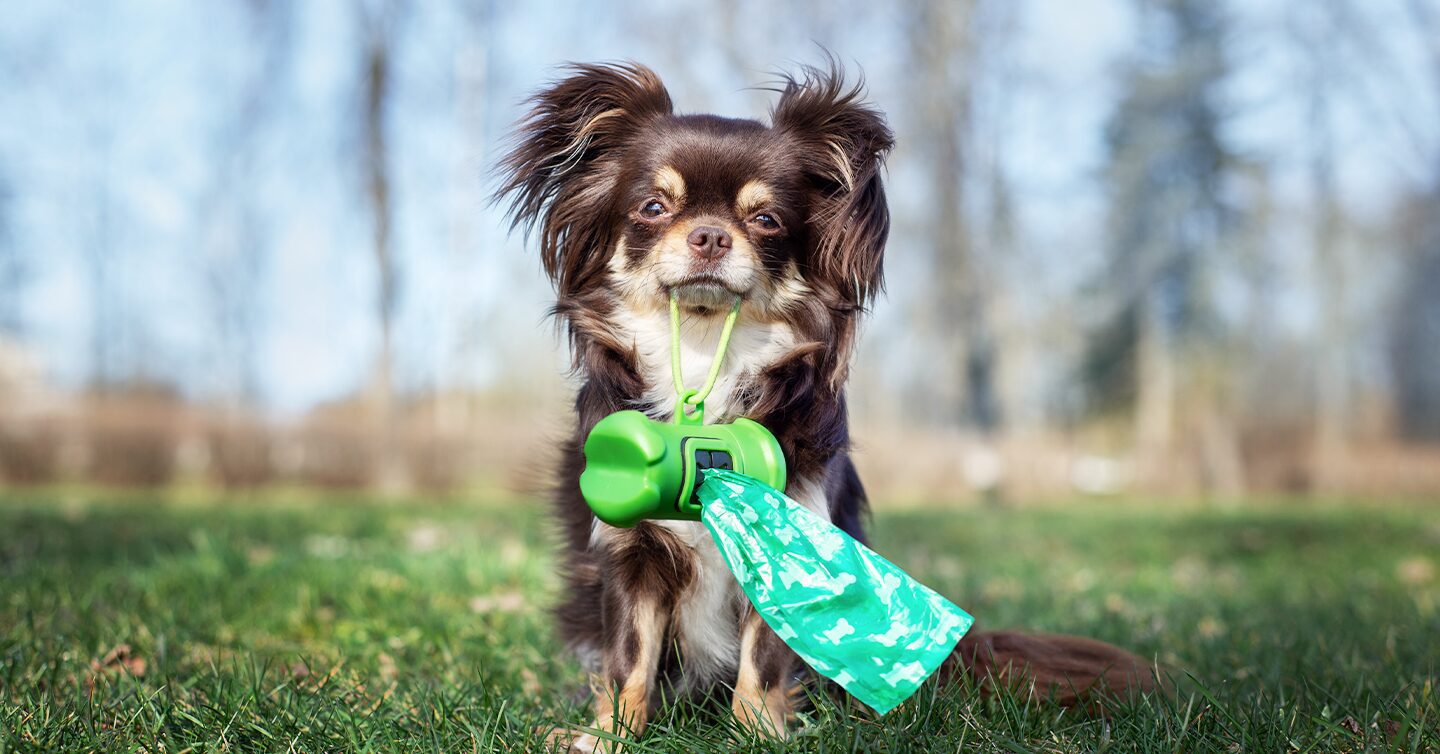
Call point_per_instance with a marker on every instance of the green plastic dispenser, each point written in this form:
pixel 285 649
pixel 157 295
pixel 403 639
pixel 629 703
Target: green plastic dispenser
pixel 638 468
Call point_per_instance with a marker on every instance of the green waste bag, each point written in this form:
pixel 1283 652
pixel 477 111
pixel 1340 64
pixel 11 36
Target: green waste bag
pixel 850 614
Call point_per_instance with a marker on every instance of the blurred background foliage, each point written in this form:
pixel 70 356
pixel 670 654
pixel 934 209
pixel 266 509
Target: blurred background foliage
pixel 1177 247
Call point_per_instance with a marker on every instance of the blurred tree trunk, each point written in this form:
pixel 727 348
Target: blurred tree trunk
pixel 1316 32
pixel 944 58
pixel 1415 324
pixel 1154 382
pixel 100 252
pixel 472 90
pixel 1169 224
pixel 379 21
pixel 1012 341
pixel 234 228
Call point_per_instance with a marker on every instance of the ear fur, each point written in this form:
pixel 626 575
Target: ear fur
pixel 562 170
pixel 843 143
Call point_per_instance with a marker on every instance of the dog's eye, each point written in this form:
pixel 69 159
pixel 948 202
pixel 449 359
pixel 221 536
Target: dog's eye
pixel 652 209
pixel 766 221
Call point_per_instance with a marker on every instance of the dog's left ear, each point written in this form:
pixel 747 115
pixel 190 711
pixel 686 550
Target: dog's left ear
pixel 565 162
pixel 842 142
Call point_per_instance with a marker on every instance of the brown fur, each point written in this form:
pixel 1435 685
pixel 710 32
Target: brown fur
pixel 1069 670
pixel 613 180
pixel 763 700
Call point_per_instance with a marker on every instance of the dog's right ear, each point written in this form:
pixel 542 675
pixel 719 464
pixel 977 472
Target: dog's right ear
pixel 842 141
pixel 563 170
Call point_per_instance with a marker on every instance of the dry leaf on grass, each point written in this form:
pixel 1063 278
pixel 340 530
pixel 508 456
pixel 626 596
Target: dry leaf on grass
pixel 1416 571
pixel 120 659
pixel 499 602
pixel 529 682
pixel 387 668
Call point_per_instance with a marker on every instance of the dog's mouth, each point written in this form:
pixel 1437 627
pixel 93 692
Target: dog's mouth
pixel 705 282
pixel 705 293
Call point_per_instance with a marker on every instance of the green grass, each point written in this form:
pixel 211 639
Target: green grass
pixel 343 625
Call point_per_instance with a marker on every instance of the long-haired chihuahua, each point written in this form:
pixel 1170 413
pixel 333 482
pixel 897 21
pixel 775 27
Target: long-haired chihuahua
pixel 633 202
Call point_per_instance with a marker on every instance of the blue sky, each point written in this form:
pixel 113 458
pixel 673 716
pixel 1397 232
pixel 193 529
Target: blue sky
pixel 114 113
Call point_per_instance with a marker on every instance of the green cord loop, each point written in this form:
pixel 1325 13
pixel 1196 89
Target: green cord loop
pixel 684 397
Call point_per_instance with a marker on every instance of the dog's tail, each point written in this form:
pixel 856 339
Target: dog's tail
pixel 1070 670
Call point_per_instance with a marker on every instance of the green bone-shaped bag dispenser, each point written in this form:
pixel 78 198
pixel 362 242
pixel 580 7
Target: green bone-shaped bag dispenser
pixel 638 468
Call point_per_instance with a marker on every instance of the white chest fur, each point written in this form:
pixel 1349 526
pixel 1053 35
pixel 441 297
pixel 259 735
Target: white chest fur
pixel 753 347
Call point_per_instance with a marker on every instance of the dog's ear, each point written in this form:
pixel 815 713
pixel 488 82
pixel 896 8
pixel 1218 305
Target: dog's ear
pixel 842 144
pixel 564 167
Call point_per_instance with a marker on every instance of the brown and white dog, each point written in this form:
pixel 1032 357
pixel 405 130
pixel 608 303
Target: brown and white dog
pixel 632 202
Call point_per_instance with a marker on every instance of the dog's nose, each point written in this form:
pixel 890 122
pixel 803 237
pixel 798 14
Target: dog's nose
pixel 709 242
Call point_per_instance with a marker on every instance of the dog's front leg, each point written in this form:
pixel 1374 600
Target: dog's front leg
pixel 634 630
pixel 763 695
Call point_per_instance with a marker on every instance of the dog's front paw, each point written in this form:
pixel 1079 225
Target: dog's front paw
pixel 762 726
pixel 585 743
pixel 558 739
pixel 572 741
pixel 589 743
pixel 765 716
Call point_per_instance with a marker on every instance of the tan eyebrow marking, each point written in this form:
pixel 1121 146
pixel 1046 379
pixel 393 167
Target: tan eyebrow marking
pixel 669 181
pixel 753 195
